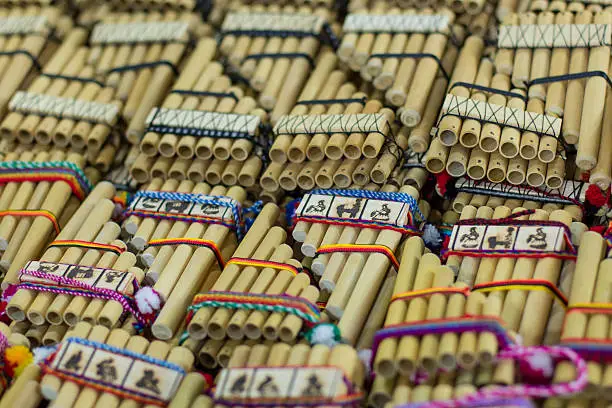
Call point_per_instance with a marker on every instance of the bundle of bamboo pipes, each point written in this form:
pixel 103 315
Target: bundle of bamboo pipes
pixel 83 91
pixel 260 373
pixel 183 241
pixel 401 54
pixel 575 44
pixel 351 280
pixel 587 325
pixel 490 133
pixel 334 138
pixel 92 367
pixel 270 272
pixel 569 197
pixel 275 49
pixel 24 44
pixel 458 290
pixel 36 205
pixel 87 251
pixel 206 129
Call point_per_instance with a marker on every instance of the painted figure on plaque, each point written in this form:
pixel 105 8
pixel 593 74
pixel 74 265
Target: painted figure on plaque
pixel 352 211
pixel 106 370
pixel 239 384
pixel 505 242
pixel 268 387
pixel 48 267
pixel 318 208
pixel 110 276
pixel 470 240
pixel 381 214
pixel 313 388
pixel 176 206
pixel 74 361
pixel 210 209
pixel 149 382
pixel 537 240
pixel 80 272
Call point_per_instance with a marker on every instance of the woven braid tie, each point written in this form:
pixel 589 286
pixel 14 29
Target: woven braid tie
pixel 73 287
pixel 257 263
pixel 33 213
pixel 513 220
pixel 496 286
pixel 205 243
pixel 236 208
pixel 101 386
pixel 20 171
pixel 363 248
pixel 521 390
pixel 294 305
pixel 75 243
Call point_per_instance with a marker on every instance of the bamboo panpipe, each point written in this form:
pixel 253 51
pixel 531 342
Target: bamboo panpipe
pixel 300 357
pixel 66 393
pixel 262 60
pixel 25 32
pixel 187 269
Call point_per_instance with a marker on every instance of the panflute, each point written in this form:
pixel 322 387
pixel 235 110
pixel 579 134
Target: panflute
pixel 287 376
pixel 548 50
pixel 85 92
pixel 349 238
pixel 84 274
pixel 205 130
pixel 41 190
pixel 104 367
pixel 401 54
pixel 183 233
pixel 265 296
pixel 24 45
pixel 586 327
pixel 274 50
pixel 505 277
pixel 335 139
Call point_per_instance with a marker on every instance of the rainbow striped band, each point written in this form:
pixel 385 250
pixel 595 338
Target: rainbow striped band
pixel 295 305
pixel 364 248
pixel 206 243
pixel 21 171
pixel 33 213
pixel 257 263
pixel 75 243
pixel 497 286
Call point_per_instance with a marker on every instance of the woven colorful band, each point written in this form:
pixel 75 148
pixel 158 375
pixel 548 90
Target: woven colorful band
pixel 364 248
pixel 73 287
pixel 33 213
pixel 513 220
pixel 445 229
pixel 463 324
pixel 20 171
pixel 206 243
pixel 521 390
pixel 352 397
pixel 118 390
pixel 598 350
pixel 257 263
pixel 485 403
pixel 75 243
pixel 294 305
pixel 222 201
pixel 430 292
pixel 523 284
pixel 506 285
pixel 410 229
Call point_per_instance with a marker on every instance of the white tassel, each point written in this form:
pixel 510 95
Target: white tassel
pixel 541 363
pixel 147 300
pixel 41 353
pixel 431 236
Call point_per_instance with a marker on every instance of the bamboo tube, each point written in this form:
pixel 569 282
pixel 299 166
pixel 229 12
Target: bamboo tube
pixel 467 68
pixel 536 173
pixel 383 71
pixel 490 134
pixel 457 160
pixel 559 65
pixel 470 129
pixel 601 175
